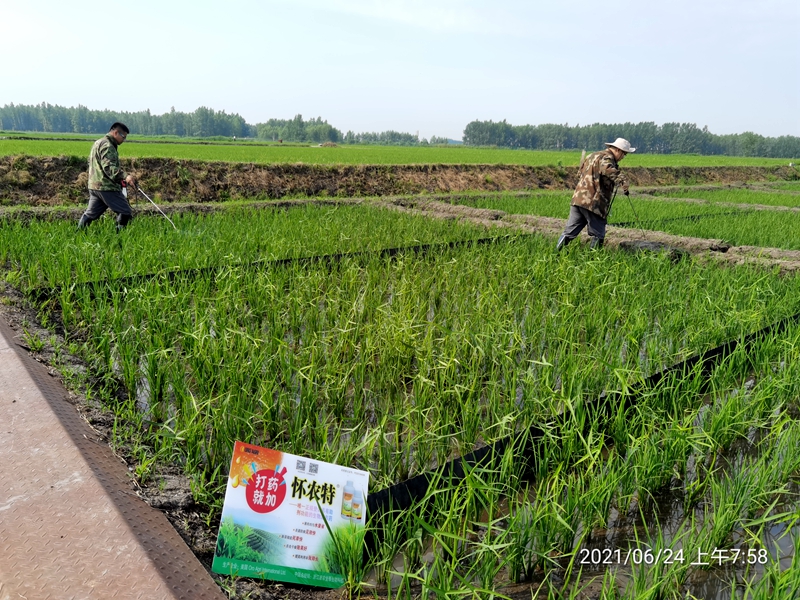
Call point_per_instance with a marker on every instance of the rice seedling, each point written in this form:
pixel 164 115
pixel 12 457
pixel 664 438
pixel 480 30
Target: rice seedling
pixel 792 186
pixel 770 229
pixel 240 235
pixel 780 580
pixel 737 196
pixel 397 364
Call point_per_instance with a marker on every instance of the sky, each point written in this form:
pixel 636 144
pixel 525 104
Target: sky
pixel 418 66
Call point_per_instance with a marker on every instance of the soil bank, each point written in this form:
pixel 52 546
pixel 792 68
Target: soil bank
pixel 62 180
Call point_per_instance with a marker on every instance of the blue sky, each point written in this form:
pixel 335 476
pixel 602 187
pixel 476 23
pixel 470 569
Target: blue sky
pixel 416 66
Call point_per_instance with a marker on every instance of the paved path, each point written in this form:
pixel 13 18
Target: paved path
pixel 70 524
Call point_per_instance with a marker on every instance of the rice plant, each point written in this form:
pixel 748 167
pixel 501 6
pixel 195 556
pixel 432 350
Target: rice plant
pixel 398 364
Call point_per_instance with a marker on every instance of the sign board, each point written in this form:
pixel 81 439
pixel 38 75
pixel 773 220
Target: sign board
pixel 272 527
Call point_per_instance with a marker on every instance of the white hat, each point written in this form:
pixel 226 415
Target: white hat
pixel 622 144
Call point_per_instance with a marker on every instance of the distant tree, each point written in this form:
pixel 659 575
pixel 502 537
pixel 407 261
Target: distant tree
pixel 298 130
pixel 49 118
pixel 684 138
pixel 382 138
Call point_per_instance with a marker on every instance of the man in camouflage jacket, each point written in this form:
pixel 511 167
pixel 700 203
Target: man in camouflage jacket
pixel 105 179
pixel 591 202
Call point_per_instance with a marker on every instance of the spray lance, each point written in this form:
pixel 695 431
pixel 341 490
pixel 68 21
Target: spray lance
pixel 644 235
pixel 138 189
pixel 610 204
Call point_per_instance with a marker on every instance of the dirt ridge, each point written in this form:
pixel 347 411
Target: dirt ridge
pixel 62 180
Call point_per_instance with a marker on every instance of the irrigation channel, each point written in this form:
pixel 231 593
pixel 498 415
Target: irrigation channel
pixel 452 523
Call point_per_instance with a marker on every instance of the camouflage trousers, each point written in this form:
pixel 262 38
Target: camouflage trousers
pixel 579 218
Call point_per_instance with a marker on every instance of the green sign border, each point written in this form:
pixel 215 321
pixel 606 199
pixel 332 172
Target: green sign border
pixel 243 568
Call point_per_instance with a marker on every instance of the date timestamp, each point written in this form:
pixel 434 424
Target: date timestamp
pixel 601 557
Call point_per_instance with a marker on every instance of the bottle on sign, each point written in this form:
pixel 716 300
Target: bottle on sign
pixel 347 499
pixel 357 506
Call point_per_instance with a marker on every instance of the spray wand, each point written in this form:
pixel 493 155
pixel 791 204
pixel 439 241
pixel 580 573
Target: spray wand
pixel 138 189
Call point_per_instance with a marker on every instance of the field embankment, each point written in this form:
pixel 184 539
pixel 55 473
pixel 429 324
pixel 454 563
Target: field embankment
pixel 62 180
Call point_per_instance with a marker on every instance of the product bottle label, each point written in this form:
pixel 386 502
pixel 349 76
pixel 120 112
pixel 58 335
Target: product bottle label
pixel 347 504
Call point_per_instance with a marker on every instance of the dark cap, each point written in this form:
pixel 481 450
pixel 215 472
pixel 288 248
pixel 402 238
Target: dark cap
pixel 119 125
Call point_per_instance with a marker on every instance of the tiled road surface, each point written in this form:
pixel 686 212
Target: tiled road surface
pixel 70 524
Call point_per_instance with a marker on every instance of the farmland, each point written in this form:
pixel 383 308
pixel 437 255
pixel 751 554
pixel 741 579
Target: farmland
pixel 722 215
pixel 355 155
pixel 768 197
pixel 323 229
pixel 290 326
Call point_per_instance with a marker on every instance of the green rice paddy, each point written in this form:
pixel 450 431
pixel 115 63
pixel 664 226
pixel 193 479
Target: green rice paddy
pixel 738 196
pixel 397 364
pixel 237 235
pixel 735 225
pixel 347 154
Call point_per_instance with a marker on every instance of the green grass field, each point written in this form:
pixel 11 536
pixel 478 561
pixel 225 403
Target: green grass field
pixel 362 154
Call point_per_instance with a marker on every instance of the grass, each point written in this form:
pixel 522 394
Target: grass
pixel 242 542
pixel 349 155
pixel 397 364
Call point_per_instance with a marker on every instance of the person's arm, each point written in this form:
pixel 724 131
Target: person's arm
pixel 609 168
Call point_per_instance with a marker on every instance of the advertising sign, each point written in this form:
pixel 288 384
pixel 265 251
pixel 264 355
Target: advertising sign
pixel 272 527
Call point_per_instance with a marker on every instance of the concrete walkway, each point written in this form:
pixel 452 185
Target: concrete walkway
pixel 70 524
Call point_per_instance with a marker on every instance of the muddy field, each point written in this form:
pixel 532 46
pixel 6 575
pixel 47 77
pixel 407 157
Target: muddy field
pixel 39 181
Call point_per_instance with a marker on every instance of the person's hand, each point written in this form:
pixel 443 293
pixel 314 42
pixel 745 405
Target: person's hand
pixel 625 188
pixel 131 181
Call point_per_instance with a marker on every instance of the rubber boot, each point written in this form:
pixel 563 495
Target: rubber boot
pixel 122 222
pixel 84 222
pixel 562 241
pixel 596 243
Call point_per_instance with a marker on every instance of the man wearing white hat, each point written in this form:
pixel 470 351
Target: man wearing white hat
pixel 599 174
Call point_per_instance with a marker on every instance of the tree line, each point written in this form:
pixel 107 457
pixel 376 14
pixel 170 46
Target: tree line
pixel 669 138
pixel 203 122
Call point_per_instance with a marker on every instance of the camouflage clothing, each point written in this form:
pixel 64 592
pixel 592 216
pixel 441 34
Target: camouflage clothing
pixel 105 173
pixel 598 176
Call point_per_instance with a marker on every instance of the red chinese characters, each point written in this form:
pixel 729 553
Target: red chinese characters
pixel 266 490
